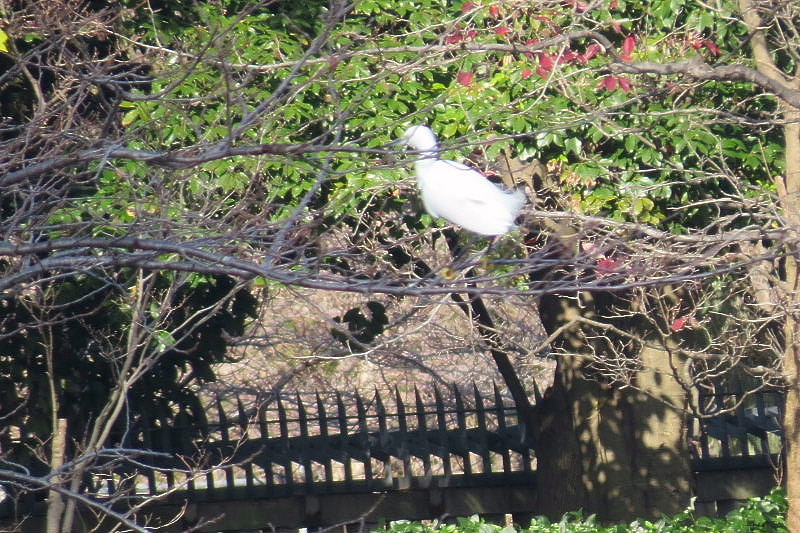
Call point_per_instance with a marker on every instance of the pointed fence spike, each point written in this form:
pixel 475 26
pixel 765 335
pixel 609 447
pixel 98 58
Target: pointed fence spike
pixel 401 410
pixel 304 459
pixel 444 450
pixel 482 447
pixel 422 422
pixel 302 416
pixel 322 415
pixel 223 421
pixel 441 417
pixel 243 420
pixel 342 414
pixel 380 410
pixel 327 452
pixel 363 438
pixel 344 440
pixel 499 407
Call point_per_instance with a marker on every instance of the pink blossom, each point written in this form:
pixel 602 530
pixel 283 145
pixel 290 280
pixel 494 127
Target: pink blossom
pixel 530 42
pixel 606 266
pixel 713 48
pixel 609 83
pixel 465 78
pixel 454 38
pixel 591 51
pixel 546 61
pixel 627 48
pixel 567 57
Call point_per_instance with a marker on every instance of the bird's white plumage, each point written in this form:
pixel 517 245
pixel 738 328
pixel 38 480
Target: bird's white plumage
pixel 458 193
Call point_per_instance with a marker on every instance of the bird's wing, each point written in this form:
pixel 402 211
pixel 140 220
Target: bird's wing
pixel 464 196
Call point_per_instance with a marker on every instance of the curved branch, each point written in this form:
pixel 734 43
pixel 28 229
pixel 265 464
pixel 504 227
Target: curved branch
pixel 86 254
pixel 173 159
pixel 700 70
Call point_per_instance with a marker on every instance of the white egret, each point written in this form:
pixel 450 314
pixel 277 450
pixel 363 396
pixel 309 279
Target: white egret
pixel 458 193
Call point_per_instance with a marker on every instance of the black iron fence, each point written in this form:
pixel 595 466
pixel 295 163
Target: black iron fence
pixel 739 429
pixel 324 445
pixel 319 447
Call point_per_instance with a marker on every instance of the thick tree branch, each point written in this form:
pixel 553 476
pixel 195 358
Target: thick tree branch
pixel 174 159
pixel 700 70
pixel 686 260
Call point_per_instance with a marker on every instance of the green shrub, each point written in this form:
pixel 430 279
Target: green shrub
pixel 759 515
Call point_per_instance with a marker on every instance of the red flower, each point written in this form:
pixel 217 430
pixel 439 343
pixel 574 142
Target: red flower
pixel 606 266
pixel 568 57
pixel 467 7
pixel 613 5
pixel 531 42
pixel 579 5
pixel 627 48
pixel 684 322
pixel 609 83
pixel 465 78
pixel 713 48
pixel 591 51
pixel 527 73
pixel 546 62
pixel 503 30
pixel 454 38
pixel 494 11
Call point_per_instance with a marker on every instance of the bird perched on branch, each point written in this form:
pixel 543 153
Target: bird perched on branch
pixel 458 193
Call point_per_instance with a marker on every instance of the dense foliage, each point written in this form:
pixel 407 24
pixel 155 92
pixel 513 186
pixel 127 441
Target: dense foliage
pixel 647 148
pixel 759 515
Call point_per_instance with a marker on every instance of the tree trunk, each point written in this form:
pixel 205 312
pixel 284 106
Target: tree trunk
pixel 789 192
pixel 617 453
pixel 788 187
pixel 55 502
pixel 790 196
pixel 791 422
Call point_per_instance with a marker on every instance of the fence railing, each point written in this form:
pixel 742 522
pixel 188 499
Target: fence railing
pixel 327 445
pixel 303 452
pixel 739 430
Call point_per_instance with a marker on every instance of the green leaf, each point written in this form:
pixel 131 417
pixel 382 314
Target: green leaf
pixel 3 41
pixel 164 339
pixel 642 205
pixel 573 144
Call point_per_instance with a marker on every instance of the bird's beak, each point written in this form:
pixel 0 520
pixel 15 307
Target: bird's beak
pixel 395 142
pixel 390 157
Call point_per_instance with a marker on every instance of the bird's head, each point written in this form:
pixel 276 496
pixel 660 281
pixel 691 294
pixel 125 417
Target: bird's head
pixel 419 138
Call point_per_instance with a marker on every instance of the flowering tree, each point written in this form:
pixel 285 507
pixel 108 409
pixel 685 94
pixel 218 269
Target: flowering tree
pixel 246 142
